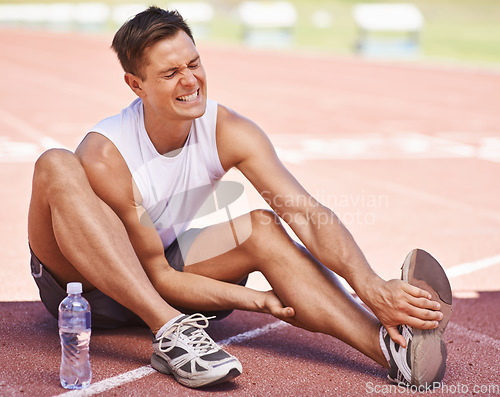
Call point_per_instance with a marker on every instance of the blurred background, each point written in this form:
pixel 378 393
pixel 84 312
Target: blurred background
pixel 347 91
pixel 438 30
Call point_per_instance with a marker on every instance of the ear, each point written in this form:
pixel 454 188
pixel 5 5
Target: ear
pixel 135 83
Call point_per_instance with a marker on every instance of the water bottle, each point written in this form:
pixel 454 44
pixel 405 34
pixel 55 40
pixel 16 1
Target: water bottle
pixel 74 331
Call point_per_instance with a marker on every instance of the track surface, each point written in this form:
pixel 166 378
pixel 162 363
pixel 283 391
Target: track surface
pixel 407 154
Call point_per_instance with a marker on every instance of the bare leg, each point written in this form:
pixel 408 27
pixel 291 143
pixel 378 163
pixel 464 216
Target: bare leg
pixel 321 303
pixel 79 238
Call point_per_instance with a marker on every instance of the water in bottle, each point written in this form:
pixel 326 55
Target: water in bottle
pixel 74 330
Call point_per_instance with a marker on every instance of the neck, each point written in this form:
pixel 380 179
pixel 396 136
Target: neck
pixel 167 136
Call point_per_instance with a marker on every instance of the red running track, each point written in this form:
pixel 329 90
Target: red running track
pixel 407 153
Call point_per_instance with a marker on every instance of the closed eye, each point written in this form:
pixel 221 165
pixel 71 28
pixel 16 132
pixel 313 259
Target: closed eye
pixel 194 64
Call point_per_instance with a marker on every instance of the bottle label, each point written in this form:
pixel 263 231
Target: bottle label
pixel 80 322
pixel 87 320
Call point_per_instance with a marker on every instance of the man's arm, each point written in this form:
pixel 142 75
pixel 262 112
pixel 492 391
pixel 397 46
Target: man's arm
pixel 111 180
pixel 243 144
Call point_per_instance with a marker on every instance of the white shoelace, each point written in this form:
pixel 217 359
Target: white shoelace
pixel 198 339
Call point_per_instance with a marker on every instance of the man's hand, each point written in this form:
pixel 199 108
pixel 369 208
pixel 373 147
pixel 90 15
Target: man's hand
pixel 273 305
pixel 395 302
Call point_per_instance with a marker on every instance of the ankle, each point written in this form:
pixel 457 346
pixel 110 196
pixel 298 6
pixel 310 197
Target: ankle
pixel 158 332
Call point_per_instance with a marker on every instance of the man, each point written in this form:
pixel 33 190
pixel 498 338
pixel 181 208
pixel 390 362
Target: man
pixel 114 215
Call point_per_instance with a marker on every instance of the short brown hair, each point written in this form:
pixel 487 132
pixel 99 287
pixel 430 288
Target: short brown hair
pixel 142 31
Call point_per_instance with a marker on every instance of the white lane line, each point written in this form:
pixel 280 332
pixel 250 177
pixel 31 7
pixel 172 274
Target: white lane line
pixel 113 382
pixel 470 267
pixel 253 333
pixel 141 372
pixel 471 334
pixel 16 152
pixel 376 146
pixel 28 131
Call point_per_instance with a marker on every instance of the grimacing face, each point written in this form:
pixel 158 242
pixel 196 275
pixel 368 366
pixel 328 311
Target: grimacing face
pixel 175 83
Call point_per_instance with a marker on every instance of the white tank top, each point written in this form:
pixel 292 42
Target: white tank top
pixel 173 188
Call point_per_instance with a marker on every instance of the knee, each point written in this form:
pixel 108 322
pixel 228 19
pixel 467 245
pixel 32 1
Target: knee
pixel 264 218
pixel 55 167
pixel 54 160
pixel 269 243
pixel 266 227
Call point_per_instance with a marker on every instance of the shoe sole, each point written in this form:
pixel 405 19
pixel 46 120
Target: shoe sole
pixel 159 364
pixel 428 349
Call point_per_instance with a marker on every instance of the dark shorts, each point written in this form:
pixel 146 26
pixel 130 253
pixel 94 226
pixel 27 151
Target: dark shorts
pixel 106 312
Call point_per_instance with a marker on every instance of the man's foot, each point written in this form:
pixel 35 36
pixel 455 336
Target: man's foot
pixel 423 361
pixel 187 352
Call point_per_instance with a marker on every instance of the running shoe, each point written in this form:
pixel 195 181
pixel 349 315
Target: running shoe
pixel 191 356
pixel 423 362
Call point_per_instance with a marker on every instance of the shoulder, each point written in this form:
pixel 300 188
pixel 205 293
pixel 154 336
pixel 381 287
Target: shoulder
pixel 239 138
pixel 97 151
pixel 228 119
